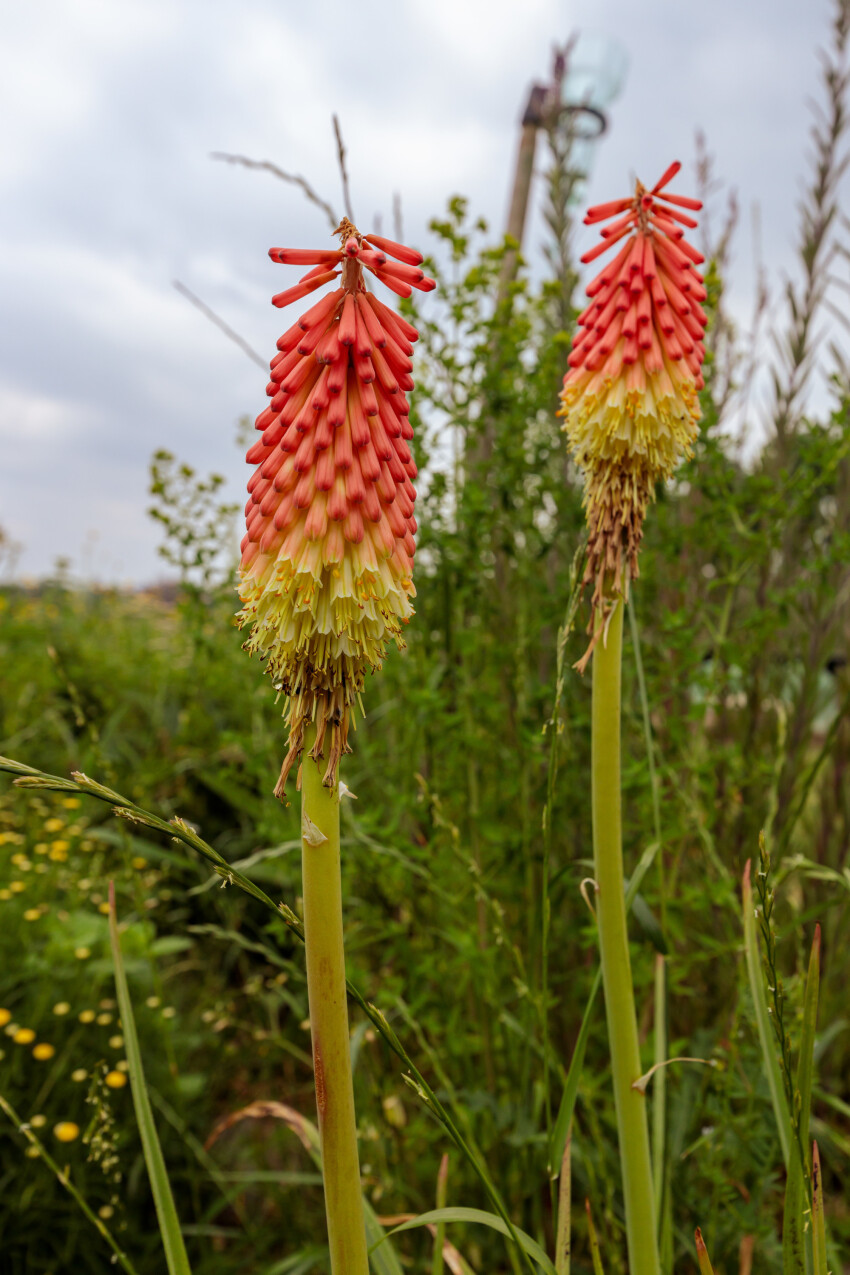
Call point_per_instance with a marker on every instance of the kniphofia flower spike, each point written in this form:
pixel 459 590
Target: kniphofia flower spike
pixel 327 561
pixel 630 397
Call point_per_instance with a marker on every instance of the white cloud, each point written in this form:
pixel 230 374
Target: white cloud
pixel 38 418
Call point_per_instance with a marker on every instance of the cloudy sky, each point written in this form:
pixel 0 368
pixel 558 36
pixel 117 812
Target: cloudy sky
pixel 107 194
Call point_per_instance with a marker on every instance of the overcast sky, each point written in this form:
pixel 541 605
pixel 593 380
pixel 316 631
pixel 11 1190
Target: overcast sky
pixel 107 194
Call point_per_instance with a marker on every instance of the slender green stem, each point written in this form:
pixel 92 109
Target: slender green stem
pixel 614 950
pixel 555 727
pixel 563 1239
pixel 659 1093
pixel 437 1264
pixel 322 891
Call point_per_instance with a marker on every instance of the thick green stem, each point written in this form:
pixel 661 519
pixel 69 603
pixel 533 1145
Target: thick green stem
pixel 614 951
pixel 322 890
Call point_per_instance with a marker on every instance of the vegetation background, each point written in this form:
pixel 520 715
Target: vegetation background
pixel 467 846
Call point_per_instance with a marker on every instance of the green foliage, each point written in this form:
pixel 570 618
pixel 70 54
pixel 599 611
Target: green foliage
pixel 197 524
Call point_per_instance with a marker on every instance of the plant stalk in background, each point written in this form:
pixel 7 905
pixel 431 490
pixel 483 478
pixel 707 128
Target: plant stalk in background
pixel 631 410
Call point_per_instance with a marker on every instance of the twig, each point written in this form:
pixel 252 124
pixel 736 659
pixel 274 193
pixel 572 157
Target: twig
pixel 220 323
pixel 340 151
pixel 294 178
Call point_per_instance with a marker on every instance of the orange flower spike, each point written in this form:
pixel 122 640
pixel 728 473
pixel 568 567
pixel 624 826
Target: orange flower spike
pixel 327 559
pixel 629 400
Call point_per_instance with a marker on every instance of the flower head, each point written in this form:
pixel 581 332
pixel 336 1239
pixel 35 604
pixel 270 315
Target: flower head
pixel 327 561
pixel 630 397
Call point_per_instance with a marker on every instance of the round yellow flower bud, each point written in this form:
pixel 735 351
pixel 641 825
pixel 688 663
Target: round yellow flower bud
pixel 66 1131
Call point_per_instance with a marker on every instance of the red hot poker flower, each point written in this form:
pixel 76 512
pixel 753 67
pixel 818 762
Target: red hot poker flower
pixel 327 561
pixel 630 398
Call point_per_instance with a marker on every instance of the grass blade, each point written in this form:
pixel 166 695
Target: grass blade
pixel 659 1096
pixel 564 1238
pixel 595 1255
pixel 482 1218
pixel 440 1231
pixel 169 1225
pixel 705 1267
pixel 818 1220
pixel 796 1189
pixel 386 1261
pixel 564 1118
pixel 806 1065
pixel 300 1263
pixel 765 1033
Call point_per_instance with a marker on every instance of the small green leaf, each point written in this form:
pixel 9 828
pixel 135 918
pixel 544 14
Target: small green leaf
pixel 650 925
pixel 170 945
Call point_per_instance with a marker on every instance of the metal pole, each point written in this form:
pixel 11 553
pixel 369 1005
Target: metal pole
pixel 531 121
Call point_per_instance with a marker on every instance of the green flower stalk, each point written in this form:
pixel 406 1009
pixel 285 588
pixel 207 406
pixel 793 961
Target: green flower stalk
pixel 322 894
pixel 630 408
pixel 326 584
